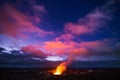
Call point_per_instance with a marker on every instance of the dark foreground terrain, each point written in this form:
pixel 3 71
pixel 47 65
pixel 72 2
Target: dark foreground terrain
pixel 70 74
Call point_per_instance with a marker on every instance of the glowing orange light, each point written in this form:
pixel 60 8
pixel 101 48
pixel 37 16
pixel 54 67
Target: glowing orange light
pixel 60 69
pixel 57 73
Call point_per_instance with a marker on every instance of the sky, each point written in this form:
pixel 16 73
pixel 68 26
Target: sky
pixel 59 30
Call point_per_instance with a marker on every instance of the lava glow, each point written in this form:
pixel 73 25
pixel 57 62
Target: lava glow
pixel 60 69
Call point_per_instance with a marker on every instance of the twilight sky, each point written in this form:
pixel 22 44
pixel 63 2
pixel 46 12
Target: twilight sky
pixel 58 30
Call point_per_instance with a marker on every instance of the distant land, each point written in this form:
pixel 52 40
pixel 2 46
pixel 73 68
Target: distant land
pixel 9 60
pixel 18 60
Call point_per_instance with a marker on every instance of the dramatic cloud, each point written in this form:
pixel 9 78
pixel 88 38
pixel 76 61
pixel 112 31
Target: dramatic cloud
pixel 85 49
pixel 15 23
pixel 91 23
pixel 58 47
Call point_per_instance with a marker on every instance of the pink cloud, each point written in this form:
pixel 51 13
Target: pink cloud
pixel 39 8
pixel 69 48
pixel 76 29
pixel 56 44
pixel 77 48
pixel 89 24
pixel 39 11
pixel 15 23
pixel 77 51
pixel 94 44
pixel 65 37
pixel 34 50
pixel 58 47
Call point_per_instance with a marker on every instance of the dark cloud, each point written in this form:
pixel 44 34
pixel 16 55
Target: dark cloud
pixel 1 49
pixel 34 51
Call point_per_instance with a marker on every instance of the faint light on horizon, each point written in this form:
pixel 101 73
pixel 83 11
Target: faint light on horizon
pixel 55 58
